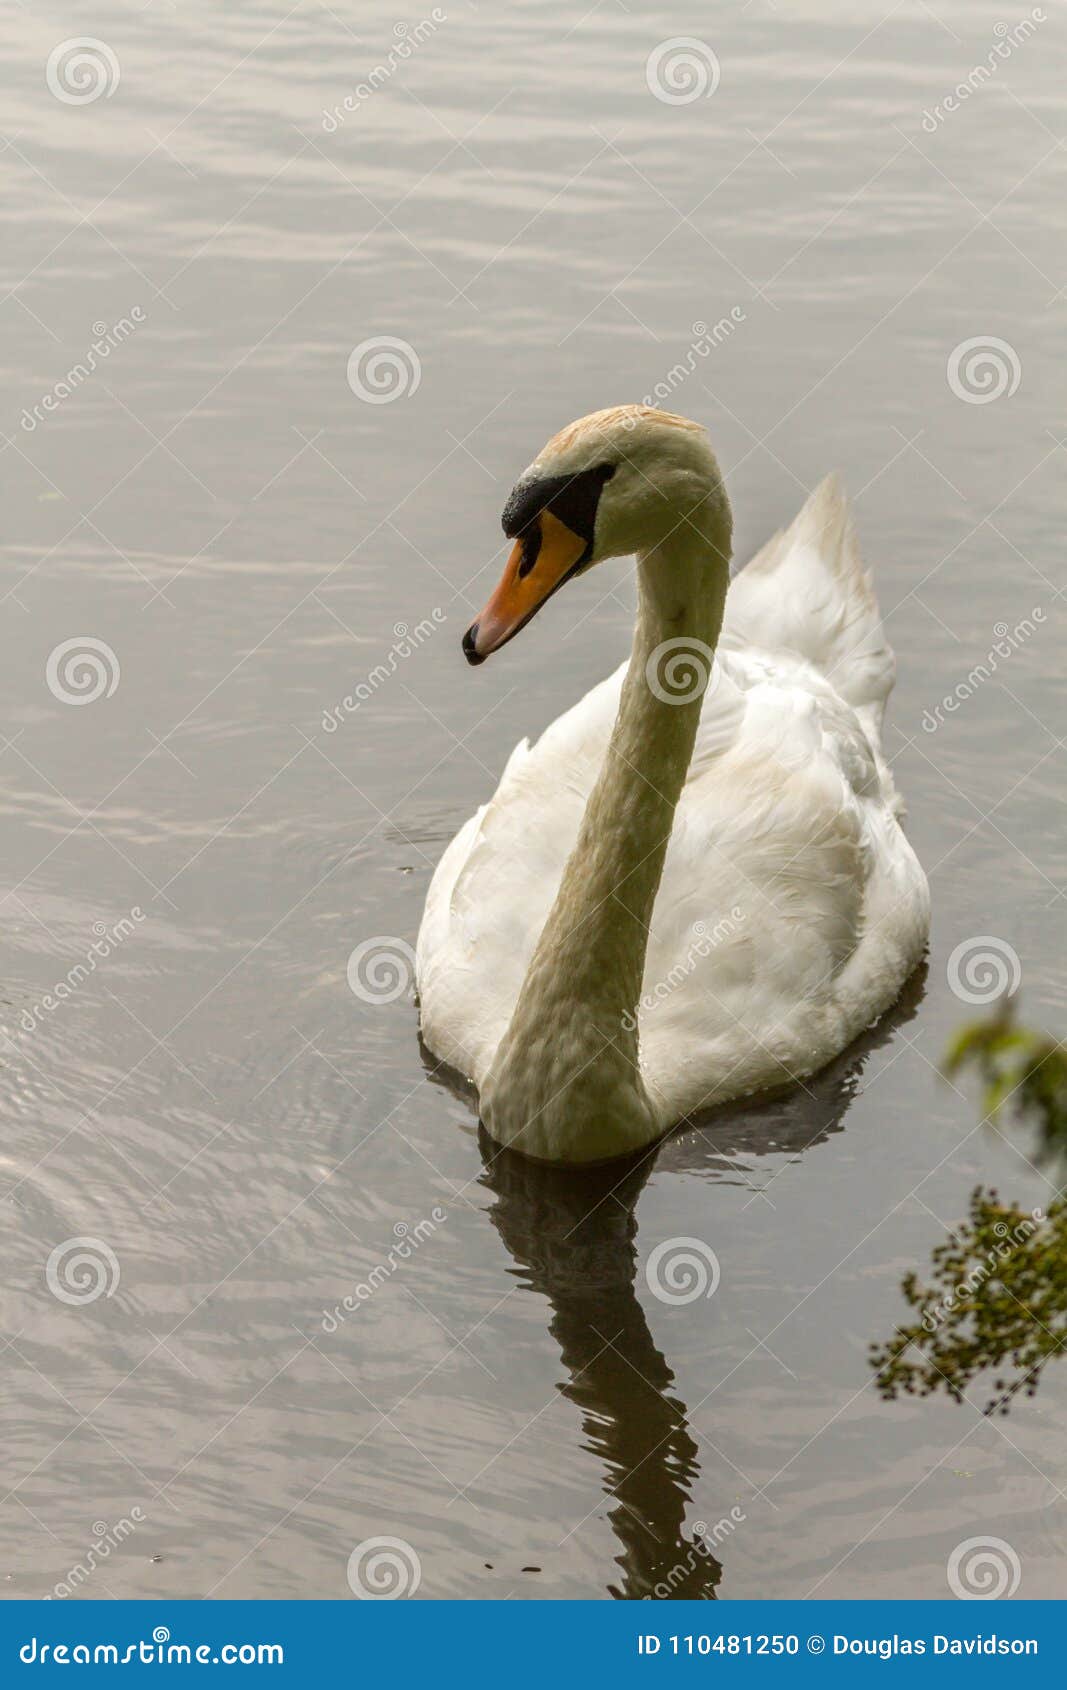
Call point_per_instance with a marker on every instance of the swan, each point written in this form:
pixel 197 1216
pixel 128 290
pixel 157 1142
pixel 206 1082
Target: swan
pixel 695 885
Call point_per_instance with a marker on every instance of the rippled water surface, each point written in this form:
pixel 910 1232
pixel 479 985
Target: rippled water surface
pixel 248 539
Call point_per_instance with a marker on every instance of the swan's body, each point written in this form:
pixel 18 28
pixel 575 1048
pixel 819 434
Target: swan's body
pixel 599 984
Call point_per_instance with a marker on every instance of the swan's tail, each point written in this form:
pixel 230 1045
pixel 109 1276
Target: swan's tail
pixel 807 592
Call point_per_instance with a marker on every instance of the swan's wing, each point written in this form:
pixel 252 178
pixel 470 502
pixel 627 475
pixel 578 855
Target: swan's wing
pixel 807 593
pixel 791 907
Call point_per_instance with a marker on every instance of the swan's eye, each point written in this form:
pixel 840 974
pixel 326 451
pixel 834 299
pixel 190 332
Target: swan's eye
pixel 573 499
pixel 531 546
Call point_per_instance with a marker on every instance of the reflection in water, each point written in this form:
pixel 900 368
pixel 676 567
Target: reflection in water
pixel 571 1233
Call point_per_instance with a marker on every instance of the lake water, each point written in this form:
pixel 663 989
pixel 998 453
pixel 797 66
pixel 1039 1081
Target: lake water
pixel 243 536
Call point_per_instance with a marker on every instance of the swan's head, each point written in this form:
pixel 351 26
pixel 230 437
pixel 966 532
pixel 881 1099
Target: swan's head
pixel 616 482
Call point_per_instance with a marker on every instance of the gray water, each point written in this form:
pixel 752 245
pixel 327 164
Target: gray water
pixel 241 1138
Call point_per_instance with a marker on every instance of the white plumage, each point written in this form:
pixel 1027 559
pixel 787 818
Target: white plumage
pixel 791 907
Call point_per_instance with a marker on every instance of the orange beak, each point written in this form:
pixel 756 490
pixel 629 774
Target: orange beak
pixel 541 560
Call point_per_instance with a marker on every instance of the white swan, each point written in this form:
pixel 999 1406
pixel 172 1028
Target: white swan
pixel 695 885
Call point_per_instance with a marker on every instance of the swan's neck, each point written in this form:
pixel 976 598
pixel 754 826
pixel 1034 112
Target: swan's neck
pixel 601 917
pixel 565 1083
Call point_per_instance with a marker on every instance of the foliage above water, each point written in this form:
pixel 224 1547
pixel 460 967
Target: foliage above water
pixel 1023 1071
pixel 995 1297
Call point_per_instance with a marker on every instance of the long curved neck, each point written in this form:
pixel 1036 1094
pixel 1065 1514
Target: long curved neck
pixel 603 910
pixel 581 990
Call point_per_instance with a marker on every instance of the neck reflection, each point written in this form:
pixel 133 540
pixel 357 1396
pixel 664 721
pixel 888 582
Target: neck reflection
pixel 571 1234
